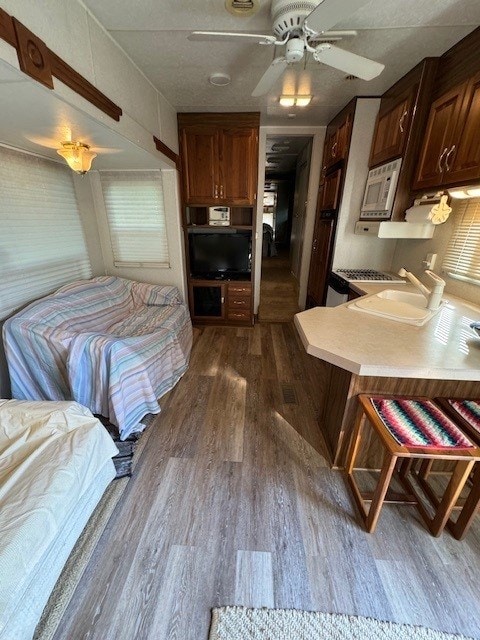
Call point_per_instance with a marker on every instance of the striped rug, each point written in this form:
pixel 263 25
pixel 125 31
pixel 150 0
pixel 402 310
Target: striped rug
pixel 419 424
pixel 240 623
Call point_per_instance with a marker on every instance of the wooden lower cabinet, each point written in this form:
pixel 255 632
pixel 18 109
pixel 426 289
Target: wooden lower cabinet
pixel 214 302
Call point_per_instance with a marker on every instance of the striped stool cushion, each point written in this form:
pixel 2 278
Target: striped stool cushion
pixel 469 410
pixel 419 424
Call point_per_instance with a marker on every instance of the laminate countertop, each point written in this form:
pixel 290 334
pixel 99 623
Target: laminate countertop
pixel 445 348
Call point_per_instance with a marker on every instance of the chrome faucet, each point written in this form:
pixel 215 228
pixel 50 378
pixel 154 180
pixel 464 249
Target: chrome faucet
pixel 434 295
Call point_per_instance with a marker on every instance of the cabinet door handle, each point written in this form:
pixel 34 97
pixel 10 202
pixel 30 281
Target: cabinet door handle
pixel 314 248
pixel 334 149
pixel 440 168
pixel 447 158
pixel 221 191
pixel 216 191
pixel 401 121
pixel 222 299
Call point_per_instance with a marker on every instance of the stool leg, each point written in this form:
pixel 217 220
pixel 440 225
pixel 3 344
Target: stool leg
pixel 378 497
pixel 459 477
pixel 470 508
pixel 355 441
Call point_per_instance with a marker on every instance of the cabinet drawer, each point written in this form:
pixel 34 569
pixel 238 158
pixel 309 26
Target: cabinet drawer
pixel 242 302
pixel 242 315
pixel 236 290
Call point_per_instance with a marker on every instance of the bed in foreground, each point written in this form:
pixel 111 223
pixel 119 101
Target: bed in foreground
pixel 55 464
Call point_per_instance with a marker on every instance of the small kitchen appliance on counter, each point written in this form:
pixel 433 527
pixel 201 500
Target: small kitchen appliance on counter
pixel 340 279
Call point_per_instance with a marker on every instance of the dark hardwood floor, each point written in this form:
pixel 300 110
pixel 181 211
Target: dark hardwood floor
pixel 230 505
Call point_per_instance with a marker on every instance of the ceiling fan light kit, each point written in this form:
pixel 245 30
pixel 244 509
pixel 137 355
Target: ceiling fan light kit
pixel 303 27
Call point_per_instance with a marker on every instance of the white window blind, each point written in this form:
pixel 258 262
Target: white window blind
pixel 136 218
pixel 42 246
pixel 462 259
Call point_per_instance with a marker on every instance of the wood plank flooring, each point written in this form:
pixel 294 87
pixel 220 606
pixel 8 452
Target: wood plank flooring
pixel 230 505
pixel 278 290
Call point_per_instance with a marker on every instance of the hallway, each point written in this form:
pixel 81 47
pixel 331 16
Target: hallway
pixel 278 290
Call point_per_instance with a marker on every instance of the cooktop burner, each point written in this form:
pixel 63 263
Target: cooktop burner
pixel 366 275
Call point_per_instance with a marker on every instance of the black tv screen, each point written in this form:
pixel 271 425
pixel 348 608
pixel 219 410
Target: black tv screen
pixel 220 255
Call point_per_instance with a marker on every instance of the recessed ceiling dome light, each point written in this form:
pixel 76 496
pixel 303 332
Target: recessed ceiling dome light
pixel 220 79
pixel 242 8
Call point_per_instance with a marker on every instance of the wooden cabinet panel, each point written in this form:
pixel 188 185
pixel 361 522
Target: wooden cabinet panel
pixel 330 194
pixel 238 166
pixel 337 141
pixel 441 126
pixel 219 163
pixel 322 246
pixel 207 300
pixel 199 164
pixel 393 124
pixel 464 162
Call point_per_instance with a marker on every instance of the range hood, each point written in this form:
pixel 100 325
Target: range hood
pixel 387 229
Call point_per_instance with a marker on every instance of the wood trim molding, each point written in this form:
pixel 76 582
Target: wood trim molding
pixel 163 148
pixel 7 30
pixel 66 74
pixel 33 55
pixel 41 63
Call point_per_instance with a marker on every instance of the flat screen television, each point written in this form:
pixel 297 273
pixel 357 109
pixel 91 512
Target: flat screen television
pixel 220 255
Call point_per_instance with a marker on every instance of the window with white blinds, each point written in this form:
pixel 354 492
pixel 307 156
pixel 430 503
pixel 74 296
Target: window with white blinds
pixel 136 218
pixel 462 259
pixel 42 246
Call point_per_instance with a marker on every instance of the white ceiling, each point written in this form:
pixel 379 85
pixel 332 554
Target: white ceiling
pixel 154 33
pixel 40 130
pixel 283 151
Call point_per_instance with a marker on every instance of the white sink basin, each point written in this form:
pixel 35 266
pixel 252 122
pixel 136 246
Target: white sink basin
pixel 400 306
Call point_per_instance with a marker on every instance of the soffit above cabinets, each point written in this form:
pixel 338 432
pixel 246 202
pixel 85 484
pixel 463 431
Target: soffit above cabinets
pixel 154 33
pixel 42 129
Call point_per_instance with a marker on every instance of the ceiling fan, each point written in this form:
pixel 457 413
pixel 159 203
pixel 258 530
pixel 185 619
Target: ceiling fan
pixel 304 27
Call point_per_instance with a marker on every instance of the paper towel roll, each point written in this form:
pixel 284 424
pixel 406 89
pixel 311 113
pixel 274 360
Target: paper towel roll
pixel 419 213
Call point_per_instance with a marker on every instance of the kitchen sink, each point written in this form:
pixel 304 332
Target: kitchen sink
pixel 400 306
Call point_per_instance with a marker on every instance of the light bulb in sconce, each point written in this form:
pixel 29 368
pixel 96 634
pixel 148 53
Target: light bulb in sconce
pixel 77 155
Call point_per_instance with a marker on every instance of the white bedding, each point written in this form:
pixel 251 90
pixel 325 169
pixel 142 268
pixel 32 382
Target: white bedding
pixel 50 456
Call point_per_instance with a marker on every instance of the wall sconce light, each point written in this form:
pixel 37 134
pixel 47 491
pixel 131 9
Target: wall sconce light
pixel 295 101
pixel 77 155
pixel 465 192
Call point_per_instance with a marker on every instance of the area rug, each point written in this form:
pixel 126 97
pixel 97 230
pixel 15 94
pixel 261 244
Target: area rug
pixel 240 623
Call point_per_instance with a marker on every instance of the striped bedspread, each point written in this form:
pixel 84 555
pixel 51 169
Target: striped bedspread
pixel 111 344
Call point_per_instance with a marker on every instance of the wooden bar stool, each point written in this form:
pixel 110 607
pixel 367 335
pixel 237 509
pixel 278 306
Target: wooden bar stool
pixel 409 429
pixel 465 413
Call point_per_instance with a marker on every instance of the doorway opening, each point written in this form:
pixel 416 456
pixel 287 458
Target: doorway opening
pixel 287 172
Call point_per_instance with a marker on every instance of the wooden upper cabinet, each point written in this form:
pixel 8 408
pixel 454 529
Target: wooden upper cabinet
pixel 199 164
pixel 337 141
pixel 238 166
pixel 219 158
pixel 464 162
pixel 330 192
pixel 438 143
pixel 392 128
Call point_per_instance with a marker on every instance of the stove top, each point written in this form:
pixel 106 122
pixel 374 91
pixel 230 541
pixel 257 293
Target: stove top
pixel 367 275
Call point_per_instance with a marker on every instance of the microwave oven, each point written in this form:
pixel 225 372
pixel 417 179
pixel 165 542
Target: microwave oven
pixel 219 216
pixel 380 191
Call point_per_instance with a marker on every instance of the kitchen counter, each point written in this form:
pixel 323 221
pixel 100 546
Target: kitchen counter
pixel 446 348
pixel 363 353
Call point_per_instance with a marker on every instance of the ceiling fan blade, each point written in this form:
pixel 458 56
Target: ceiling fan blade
pixel 348 62
pixel 271 75
pixel 227 36
pixel 331 12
